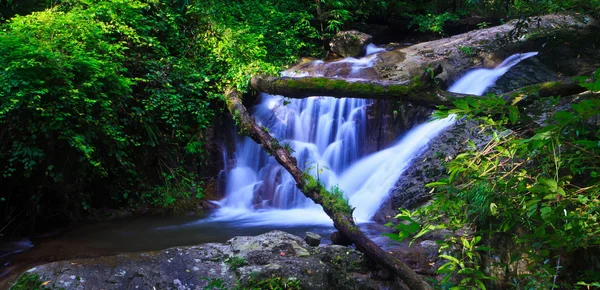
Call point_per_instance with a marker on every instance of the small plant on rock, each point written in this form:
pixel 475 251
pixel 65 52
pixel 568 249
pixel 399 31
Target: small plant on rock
pixel 235 262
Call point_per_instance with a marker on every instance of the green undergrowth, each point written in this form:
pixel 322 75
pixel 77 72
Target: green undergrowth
pixel 110 103
pixel 31 281
pixel 271 283
pixel 532 193
pixel 235 262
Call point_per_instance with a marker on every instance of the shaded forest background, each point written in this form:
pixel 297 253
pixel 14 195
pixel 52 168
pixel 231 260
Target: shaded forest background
pixel 114 103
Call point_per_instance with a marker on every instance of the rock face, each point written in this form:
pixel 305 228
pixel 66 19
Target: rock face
pixel 488 47
pixel 403 63
pixel 241 259
pixel 387 120
pixel 410 190
pixel 350 43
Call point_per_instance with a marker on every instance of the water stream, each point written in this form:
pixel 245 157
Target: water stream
pixel 327 136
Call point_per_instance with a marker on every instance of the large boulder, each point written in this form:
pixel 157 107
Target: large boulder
pixel 350 43
pixel 242 260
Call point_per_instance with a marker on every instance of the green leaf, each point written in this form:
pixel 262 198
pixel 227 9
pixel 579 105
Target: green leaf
pixel 436 183
pixel 413 227
pixel 446 268
pixel 450 258
pixel 563 117
pixel 513 114
pixel 480 284
pixel 547 214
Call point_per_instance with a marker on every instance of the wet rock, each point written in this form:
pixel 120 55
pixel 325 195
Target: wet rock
pixel 207 205
pixel 430 248
pixel 384 274
pixel 274 254
pixel 338 239
pixel 387 120
pixel 410 191
pixel 350 43
pixel 312 239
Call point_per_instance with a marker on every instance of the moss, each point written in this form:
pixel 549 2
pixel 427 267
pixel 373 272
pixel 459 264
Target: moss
pixel 28 281
pixel 550 85
pixel 275 144
pixel 361 88
pixel 333 199
pixel 274 282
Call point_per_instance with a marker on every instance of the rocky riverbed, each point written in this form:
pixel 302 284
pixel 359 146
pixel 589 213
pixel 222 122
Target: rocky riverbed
pixel 241 261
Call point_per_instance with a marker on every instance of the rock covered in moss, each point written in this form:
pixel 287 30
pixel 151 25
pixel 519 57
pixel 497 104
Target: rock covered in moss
pixel 351 43
pixel 277 256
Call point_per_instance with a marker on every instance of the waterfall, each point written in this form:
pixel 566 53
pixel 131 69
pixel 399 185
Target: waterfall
pixel 327 138
pixel 477 81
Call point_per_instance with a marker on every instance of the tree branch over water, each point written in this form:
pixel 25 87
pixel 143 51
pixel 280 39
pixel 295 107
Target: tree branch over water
pixel 335 207
pixel 418 91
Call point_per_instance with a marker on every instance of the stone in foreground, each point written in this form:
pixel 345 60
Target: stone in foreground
pixel 312 239
pixel 274 254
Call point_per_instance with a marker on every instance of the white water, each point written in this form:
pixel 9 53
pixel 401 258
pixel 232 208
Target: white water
pixel 477 81
pixel 373 49
pixel 327 136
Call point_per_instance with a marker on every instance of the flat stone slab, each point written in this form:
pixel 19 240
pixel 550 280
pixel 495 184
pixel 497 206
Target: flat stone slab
pixel 273 254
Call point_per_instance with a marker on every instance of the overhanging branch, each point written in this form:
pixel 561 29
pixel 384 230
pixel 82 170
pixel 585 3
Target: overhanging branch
pixel 337 210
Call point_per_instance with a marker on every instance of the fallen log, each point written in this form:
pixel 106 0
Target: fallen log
pixel 334 205
pixel 416 91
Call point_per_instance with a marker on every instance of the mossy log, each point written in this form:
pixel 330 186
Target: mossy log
pixel 417 91
pixel 338 210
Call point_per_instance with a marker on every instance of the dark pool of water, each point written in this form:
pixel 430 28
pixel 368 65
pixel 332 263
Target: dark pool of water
pixel 136 235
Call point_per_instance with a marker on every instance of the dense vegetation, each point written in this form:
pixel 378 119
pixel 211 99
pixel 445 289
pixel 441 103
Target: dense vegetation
pixel 108 102
pixel 111 103
pixel 529 197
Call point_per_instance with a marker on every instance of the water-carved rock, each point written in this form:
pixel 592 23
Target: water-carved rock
pixel 350 43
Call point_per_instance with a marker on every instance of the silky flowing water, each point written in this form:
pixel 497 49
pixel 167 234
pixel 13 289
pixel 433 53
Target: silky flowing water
pixel 327 137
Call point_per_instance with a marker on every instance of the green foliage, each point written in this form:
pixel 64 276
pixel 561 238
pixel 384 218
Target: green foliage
pixel 432 22
pixel 98 96
pixel 466 50
pixel 406 228
pixel 434 15
pixel 538 185
pixel 214 284
pixel 28 281
pixel 465 263
pixel 180 192
pixel 333 199
pixel 235 262
pixel 272 283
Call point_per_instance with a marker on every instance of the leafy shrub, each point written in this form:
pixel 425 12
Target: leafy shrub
pixel 536 184
pixel 432 22
pixel 100 98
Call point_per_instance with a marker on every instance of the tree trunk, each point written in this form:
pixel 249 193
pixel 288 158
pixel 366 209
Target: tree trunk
pixel 417 91
pixel 336 208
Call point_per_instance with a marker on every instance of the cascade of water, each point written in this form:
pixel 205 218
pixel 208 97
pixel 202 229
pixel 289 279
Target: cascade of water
pixel 373 49
pixel 477 81
pixel 327 136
